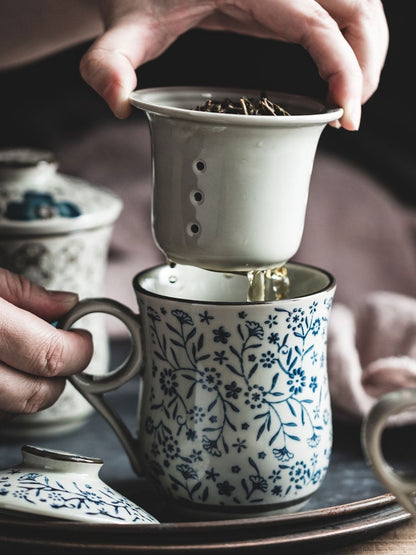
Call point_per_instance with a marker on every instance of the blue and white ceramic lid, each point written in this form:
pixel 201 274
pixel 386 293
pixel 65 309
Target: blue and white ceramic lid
pixel 36 198
pixel 61 485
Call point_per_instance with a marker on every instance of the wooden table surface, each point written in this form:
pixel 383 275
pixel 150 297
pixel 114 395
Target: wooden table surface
pixel 400 540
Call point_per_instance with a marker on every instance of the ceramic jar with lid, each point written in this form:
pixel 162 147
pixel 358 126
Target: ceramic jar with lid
pixel 55 230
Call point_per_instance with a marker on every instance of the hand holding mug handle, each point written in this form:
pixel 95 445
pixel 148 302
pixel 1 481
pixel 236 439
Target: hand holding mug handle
pixel 92 387
pixel 402 485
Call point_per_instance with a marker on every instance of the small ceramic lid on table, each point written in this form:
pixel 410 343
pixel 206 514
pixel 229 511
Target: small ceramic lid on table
pixel 62 485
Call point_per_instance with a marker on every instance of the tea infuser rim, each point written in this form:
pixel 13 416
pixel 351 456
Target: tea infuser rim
pixel 328 288
pixel 150 100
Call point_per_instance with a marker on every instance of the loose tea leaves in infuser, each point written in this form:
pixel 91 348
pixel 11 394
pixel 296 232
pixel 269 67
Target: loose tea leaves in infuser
pixel 244 106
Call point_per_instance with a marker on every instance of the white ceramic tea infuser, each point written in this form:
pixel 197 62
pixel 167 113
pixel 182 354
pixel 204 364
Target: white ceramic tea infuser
pixel 230 191
pixel 61 485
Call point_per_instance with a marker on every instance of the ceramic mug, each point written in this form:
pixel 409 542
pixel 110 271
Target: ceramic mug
pixel 402 485
pixel 230 191
pixel 234 408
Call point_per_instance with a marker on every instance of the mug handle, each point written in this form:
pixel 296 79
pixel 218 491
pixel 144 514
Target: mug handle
pixel 401 484
pixel 92 387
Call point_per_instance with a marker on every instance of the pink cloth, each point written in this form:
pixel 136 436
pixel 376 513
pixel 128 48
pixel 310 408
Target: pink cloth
pixel 371 351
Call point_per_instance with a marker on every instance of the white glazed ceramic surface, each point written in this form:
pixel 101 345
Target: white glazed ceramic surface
pixel 230 191
pixel 234 404
pixel 60 485
pixel 59 252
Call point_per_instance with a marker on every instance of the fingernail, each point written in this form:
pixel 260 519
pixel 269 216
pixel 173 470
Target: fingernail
pixel 122 110
pixel 64 297
pixel 335 124
pixel 352 113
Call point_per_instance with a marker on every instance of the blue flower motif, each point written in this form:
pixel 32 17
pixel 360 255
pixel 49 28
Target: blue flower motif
pixel 242 314
pixel 191 435
pixel 316 326
pixel 255 396
pixel 314 357
pixel 187 471
pixel 314 440
pixel 196 455
pixel 40 206
pixel 268 359
pixel 273 338
pixel 211 379
pixel 205 317
pixel 211 474
pixel 168 381
pixel 232 390
pixel 211 446
pixel 235 469
pixel 225 488
pixel 277 490
pixel 313 307
pixel 171 448
pixel 220 357
pixel 299 473
pixel 254 329
pixel 197 414
pixel 295 318
pixel 182 317
pixel 283 454
pixel 271 320
pixel 152 314
pixel 240 444
pixel 275 475
pixel 258 482
pixel 220 335
pixel 314 383
pixel 29 476
pixel 297 381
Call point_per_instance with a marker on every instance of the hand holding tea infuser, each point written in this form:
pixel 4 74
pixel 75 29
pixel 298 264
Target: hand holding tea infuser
pixel 347 40
pixel 35 356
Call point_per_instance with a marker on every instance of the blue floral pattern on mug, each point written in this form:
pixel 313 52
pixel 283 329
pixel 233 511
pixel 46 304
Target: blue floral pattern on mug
pixel 236 408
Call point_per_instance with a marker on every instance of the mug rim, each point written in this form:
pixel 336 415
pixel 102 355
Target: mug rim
pixel 138 288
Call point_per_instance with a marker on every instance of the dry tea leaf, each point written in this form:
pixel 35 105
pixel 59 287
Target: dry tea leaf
pixel 244 106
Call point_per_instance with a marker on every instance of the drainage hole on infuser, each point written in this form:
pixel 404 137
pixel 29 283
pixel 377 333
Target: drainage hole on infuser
pixel 192 229
pixel 197 197
pixel 200 166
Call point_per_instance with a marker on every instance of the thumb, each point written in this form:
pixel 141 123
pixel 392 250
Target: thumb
pixel 109 64
pixel 23 293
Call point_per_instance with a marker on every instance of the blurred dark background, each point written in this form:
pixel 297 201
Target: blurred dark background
pixel 46 103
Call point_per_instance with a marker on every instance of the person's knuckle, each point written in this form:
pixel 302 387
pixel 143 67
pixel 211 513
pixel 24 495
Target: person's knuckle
pixel 16 286
pixel 317 20
pixel 88 64
pixel 51 356
pixel 38 397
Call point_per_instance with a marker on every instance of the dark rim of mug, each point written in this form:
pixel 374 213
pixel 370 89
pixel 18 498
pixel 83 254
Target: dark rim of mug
pixel 139 289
